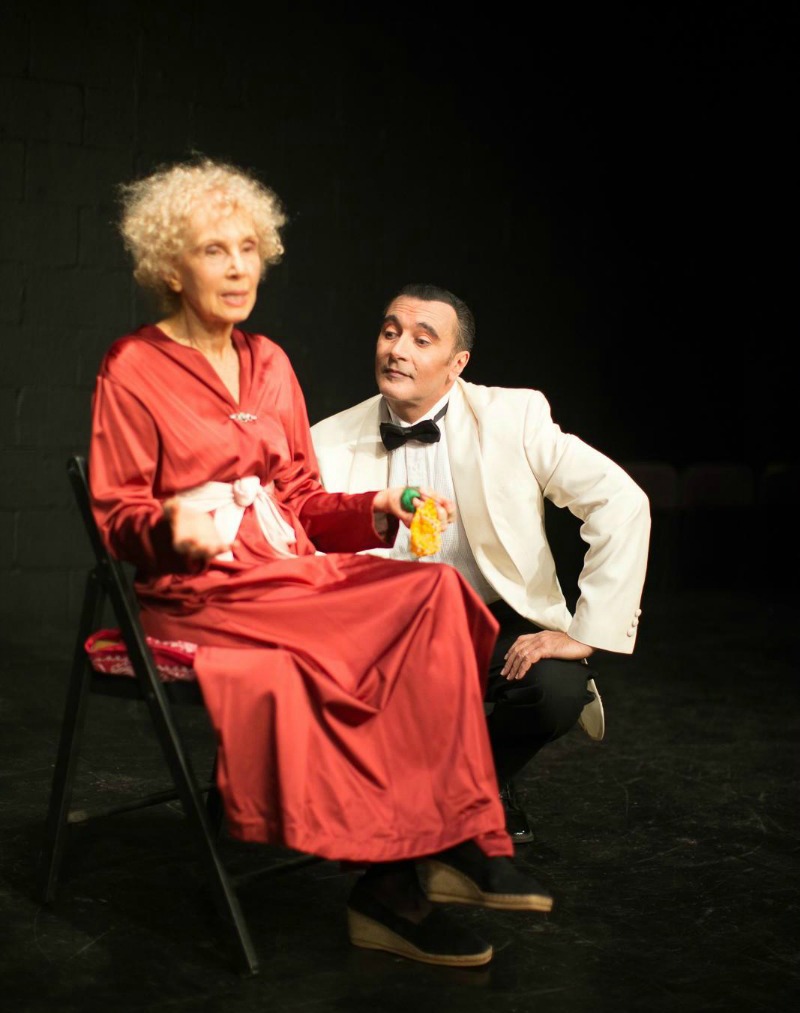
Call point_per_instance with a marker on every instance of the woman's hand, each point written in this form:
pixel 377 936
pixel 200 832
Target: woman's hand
pixel 194 534
pixel 387 501
pixel 532 647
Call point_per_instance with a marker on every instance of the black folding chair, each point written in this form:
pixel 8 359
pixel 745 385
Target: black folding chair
pixel 109 585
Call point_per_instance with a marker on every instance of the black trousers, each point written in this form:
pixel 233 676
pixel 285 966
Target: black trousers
pixel 527 713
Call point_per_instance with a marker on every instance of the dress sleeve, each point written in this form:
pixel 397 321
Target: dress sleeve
pixel 123 457
pixel 335 522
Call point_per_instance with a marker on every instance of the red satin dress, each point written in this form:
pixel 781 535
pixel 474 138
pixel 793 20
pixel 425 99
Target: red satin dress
pixel 345 690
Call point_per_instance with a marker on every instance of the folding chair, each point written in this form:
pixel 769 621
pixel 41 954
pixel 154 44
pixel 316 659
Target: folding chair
pixel 108 584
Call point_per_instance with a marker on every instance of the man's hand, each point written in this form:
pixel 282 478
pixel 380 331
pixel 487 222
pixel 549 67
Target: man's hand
pixel 388 501
pixel 532 647
pixel 194 534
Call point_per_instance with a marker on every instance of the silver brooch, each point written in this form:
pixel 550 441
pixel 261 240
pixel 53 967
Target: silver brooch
pixel 243 417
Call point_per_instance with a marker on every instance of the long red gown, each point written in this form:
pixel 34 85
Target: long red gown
pixel 346 691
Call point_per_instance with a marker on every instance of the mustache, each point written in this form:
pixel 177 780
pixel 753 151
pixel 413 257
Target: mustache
pixel 390 368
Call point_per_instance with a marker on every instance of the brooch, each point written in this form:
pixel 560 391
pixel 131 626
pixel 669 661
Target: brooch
pixel 243 417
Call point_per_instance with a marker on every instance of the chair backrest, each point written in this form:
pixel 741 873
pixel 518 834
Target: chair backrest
pixel 111 575
pixel 111 571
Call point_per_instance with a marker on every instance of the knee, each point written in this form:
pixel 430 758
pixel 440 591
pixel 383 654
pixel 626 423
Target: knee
pixel 546 703
pixel 546 720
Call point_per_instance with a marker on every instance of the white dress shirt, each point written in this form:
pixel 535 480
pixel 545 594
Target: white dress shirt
pixel 427 464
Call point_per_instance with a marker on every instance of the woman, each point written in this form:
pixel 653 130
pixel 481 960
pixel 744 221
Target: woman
pixel 345 690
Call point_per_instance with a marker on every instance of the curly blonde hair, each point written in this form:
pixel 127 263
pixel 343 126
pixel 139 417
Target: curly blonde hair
pixel 156 212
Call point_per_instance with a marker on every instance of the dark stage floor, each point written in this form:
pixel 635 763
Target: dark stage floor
pixel 671 849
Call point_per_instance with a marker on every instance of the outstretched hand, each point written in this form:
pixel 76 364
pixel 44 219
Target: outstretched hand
pixel 532 647
pixel 388 501
pixel 194 534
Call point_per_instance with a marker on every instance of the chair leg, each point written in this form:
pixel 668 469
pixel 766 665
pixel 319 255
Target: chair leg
pixel 225 897
pixel 214 807
pixel 56 826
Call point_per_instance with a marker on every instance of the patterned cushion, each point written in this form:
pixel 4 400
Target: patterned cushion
pixel 174 658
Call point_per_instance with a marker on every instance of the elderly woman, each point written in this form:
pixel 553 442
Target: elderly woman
pixel 345 690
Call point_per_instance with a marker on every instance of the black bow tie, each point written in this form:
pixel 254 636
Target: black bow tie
pixel 426 432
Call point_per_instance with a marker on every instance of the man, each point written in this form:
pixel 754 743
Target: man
pixel 498 454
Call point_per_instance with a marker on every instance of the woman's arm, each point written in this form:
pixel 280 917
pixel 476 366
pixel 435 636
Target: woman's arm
pixel 123 458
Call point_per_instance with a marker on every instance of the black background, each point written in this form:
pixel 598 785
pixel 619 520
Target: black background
pixel 612 190
pixel 612 193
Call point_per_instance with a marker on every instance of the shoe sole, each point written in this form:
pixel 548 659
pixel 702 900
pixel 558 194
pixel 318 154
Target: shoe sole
pixel 445 885
pixel 371 935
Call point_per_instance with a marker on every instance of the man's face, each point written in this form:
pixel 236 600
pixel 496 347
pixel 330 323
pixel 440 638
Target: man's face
pixel 415 360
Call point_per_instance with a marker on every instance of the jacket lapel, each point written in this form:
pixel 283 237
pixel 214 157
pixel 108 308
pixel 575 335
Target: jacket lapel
pixel 471 471
pixel 466 466
pixel 369 467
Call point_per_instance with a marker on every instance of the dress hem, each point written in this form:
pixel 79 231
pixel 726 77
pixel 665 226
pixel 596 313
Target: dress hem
pixel 398 849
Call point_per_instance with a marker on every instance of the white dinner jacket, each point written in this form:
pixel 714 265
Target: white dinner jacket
pixel 507 456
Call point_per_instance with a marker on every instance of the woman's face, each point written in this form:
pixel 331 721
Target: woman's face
pixel 218 272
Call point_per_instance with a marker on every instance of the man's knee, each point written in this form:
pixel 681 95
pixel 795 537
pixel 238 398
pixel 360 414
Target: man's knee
pixel 545 704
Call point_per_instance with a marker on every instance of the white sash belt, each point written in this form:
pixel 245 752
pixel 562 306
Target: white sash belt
pixel 227 502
